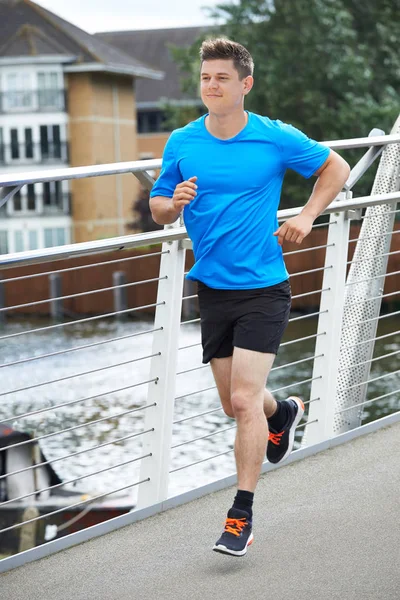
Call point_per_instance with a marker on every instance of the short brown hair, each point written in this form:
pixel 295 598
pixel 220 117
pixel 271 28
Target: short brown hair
pixel 222 48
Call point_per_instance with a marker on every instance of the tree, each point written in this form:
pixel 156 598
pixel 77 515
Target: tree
pixel 178 114
pixel 141 208
pixel 329 67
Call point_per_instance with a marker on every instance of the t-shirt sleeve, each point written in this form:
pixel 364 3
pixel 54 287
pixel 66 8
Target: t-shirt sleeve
pixel 299 152
pixel 170 174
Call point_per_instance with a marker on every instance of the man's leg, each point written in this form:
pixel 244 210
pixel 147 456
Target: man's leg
pixel 270 404
pixel 283 417
pixel 241 384
pixel 250 370
pixel 222 371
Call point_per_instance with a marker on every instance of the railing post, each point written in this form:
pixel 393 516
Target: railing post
pixel 163 367
pixel 2 301
pixel 56 306
pixel 365 285
pixel 120 294
pixel 189 308
pixel 323 390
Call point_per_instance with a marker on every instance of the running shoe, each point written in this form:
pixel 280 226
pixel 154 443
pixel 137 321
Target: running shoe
pixel 237 534
pixel 280 443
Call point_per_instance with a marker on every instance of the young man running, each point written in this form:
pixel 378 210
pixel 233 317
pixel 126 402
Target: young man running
pixel 225 171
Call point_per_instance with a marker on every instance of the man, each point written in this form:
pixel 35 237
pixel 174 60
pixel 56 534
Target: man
pixel 225 171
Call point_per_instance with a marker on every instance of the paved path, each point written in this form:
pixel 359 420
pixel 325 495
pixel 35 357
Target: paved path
pixel 326 528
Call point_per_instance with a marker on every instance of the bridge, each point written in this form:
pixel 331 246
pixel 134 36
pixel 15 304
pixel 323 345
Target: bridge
pixel 325 521
pixel 325 527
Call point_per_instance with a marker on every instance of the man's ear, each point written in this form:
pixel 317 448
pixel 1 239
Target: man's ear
pixel 248 84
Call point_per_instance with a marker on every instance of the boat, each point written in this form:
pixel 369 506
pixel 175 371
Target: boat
pixel 43 494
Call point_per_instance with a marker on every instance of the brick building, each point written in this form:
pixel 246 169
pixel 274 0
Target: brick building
pixel 67 98
pixel 152 47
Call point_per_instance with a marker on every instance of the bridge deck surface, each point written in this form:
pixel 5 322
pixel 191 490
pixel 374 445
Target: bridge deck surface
pixel 325 528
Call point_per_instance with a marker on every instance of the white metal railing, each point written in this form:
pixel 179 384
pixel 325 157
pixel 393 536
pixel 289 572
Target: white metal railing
pixel 146 387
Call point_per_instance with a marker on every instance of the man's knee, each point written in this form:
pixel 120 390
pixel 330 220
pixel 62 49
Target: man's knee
pixel 221 368
pixel 225 398
pixel 228 410
pixel 244 402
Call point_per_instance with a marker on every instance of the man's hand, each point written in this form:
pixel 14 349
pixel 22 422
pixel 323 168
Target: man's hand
pixel 184 193
pixel 295 229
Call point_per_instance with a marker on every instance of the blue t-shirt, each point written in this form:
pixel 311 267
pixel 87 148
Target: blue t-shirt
pixel 232 219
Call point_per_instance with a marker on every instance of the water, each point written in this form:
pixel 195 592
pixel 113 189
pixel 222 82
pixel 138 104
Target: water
pixel 104 402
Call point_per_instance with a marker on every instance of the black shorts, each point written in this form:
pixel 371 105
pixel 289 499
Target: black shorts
pixel 252 319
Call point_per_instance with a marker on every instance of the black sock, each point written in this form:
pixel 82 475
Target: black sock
pixel 244 501
pixel 279 418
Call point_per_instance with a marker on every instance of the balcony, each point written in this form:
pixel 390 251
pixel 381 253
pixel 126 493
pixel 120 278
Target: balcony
pixel 54 205
pixel 35 205
pixel 33 153
pixel 33 101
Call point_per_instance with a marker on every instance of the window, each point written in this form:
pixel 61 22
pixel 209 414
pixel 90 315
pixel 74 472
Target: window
pixel 48 238
pixel 31 198
pixel 23 202
pixel 17 201
pixel 21 143
pixel 56 141
pixel 33 240
pixel 52 195
pixel 19 94
pixel 44 141
pixel 28 143
pixel 150 121
pixel 48 81
pixel 1 145
pixel 50 141
pixel 3 242
pixel 19 241
pixel 14 144
pixel 49 90
pixel 60 236
pixel 54 237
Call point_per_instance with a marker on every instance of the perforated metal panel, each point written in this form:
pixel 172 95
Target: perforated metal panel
pixel 360 321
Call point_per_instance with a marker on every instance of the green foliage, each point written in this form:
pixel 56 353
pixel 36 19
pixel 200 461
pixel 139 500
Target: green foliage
pixel 178 115
pixel 188 61
pixel 329 67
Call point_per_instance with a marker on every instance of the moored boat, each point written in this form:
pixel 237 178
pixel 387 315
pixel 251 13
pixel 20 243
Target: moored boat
pixel 28 493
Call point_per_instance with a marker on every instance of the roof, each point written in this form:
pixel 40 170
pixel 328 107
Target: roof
pixel 151 46
pixel 27 29
pixel 30 41
pixel 10 436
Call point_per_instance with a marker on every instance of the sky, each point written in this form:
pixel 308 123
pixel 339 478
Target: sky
pixel 119 15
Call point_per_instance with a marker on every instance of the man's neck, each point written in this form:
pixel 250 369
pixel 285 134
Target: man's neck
pixel 226 126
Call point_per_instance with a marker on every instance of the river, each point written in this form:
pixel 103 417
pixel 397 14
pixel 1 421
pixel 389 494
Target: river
pixel 104 401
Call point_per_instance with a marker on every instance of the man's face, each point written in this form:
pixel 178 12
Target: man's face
pixel 221 88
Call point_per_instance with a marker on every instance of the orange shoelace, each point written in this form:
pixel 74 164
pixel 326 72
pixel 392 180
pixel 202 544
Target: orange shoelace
pixel 235 526
pixel 275 438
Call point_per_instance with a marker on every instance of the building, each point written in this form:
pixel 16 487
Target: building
pixel 67 98
pixel 152 47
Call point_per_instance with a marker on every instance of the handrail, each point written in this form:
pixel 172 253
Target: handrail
pixel 144 165
pixel 79 172
pixel 138 240
pixel 379 140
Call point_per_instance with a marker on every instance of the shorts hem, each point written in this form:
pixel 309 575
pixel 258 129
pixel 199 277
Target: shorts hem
pixel 273 351
pixel 207 359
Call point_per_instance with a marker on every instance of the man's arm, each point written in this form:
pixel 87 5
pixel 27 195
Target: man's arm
pixel 163 211
pixel 166 210
pixel 331 177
